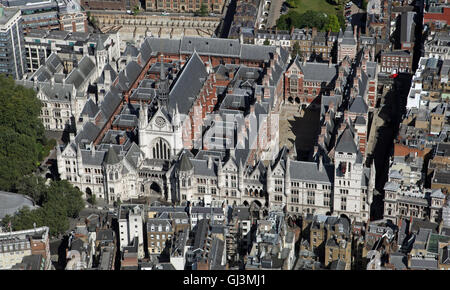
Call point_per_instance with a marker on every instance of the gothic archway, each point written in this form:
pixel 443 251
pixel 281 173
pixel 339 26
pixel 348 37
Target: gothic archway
pixel 160 149
pixel 155 188
pixel 88 192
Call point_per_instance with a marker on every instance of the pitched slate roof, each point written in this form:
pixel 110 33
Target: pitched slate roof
pixel 360 120
pixel 210 46
pixel 309 171
pixel 113 74
pixel 201 168
pixel 346 143
pixel 257 52
pixel 129 75
pixel 188 85
pixel 105 235
pixel 359 106
pixel 131 50
pixel 110 102
pixel 437 193
pixel 87 134
pixel 111 157
pixel 399 260
pixel 90 109
pixel 315 71
pixel 90 157
pixel 185 164
pixel 348 38
pixel 84 70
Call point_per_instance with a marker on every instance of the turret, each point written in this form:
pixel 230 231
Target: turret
pixel 241 176
pixel 287 177
pixel 219 174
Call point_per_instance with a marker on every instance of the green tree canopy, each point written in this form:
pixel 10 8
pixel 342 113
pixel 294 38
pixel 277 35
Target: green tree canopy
pixel 296 50
pixel 58 201
pixel 333 23
pixel 203 10
pixel 22 138
pixel 308 19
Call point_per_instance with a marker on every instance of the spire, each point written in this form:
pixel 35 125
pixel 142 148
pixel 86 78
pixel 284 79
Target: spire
pixel 185 164
pixel 111 156
pixel 293 152
pixel 219 165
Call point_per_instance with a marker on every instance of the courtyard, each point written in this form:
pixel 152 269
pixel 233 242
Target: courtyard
pixel 299 127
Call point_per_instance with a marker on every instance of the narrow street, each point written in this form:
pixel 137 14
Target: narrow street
pixel 391 112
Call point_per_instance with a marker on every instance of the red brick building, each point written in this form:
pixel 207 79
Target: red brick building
pixel 181 6
pixel 305 81
pixel 396 60
pixel 437 14
pixel 109 4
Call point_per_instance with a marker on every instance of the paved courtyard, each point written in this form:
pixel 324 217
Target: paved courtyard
pixel 299 127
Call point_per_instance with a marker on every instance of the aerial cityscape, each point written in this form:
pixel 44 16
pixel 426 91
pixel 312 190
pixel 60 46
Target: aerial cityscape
pixel 224 135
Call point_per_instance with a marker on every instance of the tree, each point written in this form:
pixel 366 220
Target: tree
pixel 364 4
pixel 66 196
pixel 32 186
pixel 292 3
pixel 59 201
pixel 136 10
pixel 21 133
pixel 333 23
pixel 203 10
pixel 341 19
pixel 266 42
pixel 92 199
pixel 308 19
pixel 296 49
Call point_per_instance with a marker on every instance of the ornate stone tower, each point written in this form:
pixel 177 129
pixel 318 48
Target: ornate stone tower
pixel 163 87
pixel 101 56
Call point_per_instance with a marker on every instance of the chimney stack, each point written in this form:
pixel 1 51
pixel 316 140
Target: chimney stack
pixel 314 32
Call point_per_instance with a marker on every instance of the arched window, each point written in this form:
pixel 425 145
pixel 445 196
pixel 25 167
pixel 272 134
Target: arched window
pixel 184 182
pixel 161 149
